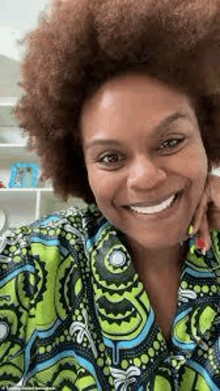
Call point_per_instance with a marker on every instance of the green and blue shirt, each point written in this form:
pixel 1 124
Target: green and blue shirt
pixel 74 314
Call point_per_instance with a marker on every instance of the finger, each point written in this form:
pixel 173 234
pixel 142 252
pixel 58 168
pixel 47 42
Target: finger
pixel 199 213
pixel 213 216
pixel 204 235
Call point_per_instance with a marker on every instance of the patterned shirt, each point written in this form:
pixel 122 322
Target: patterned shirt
pixel 74 314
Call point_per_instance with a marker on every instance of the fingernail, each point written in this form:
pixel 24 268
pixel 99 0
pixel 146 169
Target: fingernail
pixel 190 231
pixel 200 244
pixel 204 251
pixel 192 249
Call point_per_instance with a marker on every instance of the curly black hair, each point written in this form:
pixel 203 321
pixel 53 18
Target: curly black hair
pixel 79 45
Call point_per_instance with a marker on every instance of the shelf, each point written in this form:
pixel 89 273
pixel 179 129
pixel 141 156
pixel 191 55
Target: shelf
pixel 18 154
pixel 11 189
pixel 12 145
pixel 12 135
pixel 8 101
pixel 23 206
pixel 19 211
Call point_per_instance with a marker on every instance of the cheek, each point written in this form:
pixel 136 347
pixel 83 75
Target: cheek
pixel 194 162
pixel 197 172
pixel 102 185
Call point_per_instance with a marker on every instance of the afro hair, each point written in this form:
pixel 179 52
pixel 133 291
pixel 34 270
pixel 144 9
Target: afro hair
pixel 79 45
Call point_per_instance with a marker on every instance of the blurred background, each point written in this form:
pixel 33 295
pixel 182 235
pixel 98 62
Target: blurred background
pixel 17 17
pixel 22 201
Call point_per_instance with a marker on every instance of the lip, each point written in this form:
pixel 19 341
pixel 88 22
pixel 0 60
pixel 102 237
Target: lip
pixel 157 202
pixel 159 215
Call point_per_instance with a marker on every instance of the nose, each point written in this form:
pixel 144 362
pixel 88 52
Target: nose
pixel 145 174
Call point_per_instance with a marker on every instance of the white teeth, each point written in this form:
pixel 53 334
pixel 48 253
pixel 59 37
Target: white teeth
pixel 154 209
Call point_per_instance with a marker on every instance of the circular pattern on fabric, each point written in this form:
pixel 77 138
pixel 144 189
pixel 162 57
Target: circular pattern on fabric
pixel 112 251
pixel 117 258
pixel 120 303
pixel 4 330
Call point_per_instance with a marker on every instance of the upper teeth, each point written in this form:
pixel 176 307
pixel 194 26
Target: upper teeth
pixel 154 209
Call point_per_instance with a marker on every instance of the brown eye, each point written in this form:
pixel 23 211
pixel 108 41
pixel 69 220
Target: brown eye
pixel 111 159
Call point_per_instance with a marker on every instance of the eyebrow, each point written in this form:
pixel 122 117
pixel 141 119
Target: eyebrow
pixel 158 129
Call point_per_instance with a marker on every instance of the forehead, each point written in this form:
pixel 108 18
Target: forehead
pixel 131 104
pixel 124 88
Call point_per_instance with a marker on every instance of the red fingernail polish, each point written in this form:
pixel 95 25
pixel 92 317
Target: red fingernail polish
pixel 201 243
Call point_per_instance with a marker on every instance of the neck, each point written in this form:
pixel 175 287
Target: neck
pixel 161 260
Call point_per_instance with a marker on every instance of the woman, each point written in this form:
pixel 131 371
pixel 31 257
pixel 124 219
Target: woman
pixel 122 102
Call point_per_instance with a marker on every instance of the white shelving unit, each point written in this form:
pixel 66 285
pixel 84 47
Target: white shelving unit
pixel 22 206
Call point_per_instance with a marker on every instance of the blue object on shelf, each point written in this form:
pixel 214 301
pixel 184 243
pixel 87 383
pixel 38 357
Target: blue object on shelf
pixel 24 175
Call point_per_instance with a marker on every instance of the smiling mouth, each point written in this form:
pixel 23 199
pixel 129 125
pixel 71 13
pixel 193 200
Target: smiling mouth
pixel 157 209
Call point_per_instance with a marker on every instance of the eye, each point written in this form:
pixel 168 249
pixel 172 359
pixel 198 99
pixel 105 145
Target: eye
pixel 109 158
pixel 175 142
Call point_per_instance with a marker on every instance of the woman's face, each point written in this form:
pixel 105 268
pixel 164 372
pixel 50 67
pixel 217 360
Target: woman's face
pixel 142 144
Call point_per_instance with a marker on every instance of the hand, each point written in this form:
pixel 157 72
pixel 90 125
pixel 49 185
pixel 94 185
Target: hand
pixel 207 215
